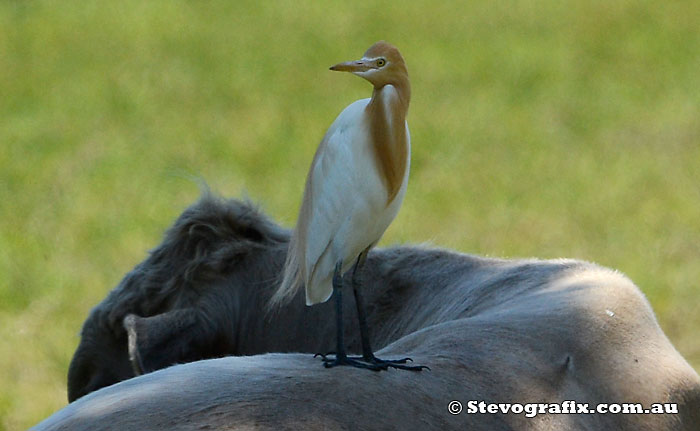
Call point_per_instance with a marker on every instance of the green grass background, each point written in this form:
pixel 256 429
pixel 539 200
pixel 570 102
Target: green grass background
pixel 540 128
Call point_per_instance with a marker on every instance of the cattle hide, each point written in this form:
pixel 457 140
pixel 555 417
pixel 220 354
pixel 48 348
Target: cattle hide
pixel 501 331
pixel 489 329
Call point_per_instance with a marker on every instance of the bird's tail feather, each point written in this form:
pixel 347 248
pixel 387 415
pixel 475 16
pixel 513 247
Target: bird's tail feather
pixel 291 278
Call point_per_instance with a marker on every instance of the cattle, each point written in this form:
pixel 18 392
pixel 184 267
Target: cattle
pixel 204 293
pixel 492 330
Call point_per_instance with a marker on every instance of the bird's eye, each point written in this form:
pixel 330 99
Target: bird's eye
pixel 381 62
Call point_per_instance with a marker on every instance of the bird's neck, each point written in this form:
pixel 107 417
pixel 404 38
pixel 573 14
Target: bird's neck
pixel 386 113
pixel 401 85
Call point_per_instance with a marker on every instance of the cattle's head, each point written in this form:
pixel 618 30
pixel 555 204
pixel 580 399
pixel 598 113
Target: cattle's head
pixel 110 351
pixel 101 358
pixel 172 307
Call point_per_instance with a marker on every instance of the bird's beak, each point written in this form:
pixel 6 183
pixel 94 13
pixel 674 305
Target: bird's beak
pixel 352 66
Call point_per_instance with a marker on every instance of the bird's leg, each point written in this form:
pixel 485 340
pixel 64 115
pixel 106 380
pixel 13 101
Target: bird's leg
pixel 338 292
pixel 367 353
pixel 341 357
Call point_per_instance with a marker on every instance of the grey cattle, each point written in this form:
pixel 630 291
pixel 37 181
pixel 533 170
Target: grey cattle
pixel 204 292
pixel 514 331
pixel 520 332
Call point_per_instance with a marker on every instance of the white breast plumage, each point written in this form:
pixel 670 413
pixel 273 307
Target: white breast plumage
pixel 349 211
pixel 353 191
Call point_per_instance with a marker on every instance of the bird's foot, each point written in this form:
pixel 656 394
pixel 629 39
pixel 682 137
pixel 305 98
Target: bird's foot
pixel 395 363
pixel 354 361
pixel 371 362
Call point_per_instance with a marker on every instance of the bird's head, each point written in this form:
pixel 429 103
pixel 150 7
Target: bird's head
pixel 382 64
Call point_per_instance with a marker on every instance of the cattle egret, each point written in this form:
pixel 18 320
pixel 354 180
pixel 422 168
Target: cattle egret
pixel 354 189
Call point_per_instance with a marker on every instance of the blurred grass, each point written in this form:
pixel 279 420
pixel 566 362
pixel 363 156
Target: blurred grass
pixel 539 128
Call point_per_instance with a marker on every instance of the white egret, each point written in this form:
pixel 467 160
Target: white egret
pixel 354 189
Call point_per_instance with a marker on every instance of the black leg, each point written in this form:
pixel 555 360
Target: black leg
pixel 364 332
pixel 338 292
pixel 367 353
pixel 341 357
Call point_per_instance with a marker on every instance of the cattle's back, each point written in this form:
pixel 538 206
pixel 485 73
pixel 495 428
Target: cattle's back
pixel 579 332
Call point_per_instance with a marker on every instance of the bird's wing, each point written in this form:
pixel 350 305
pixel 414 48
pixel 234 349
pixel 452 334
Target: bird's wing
pixel 331 182
pixel 328 199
